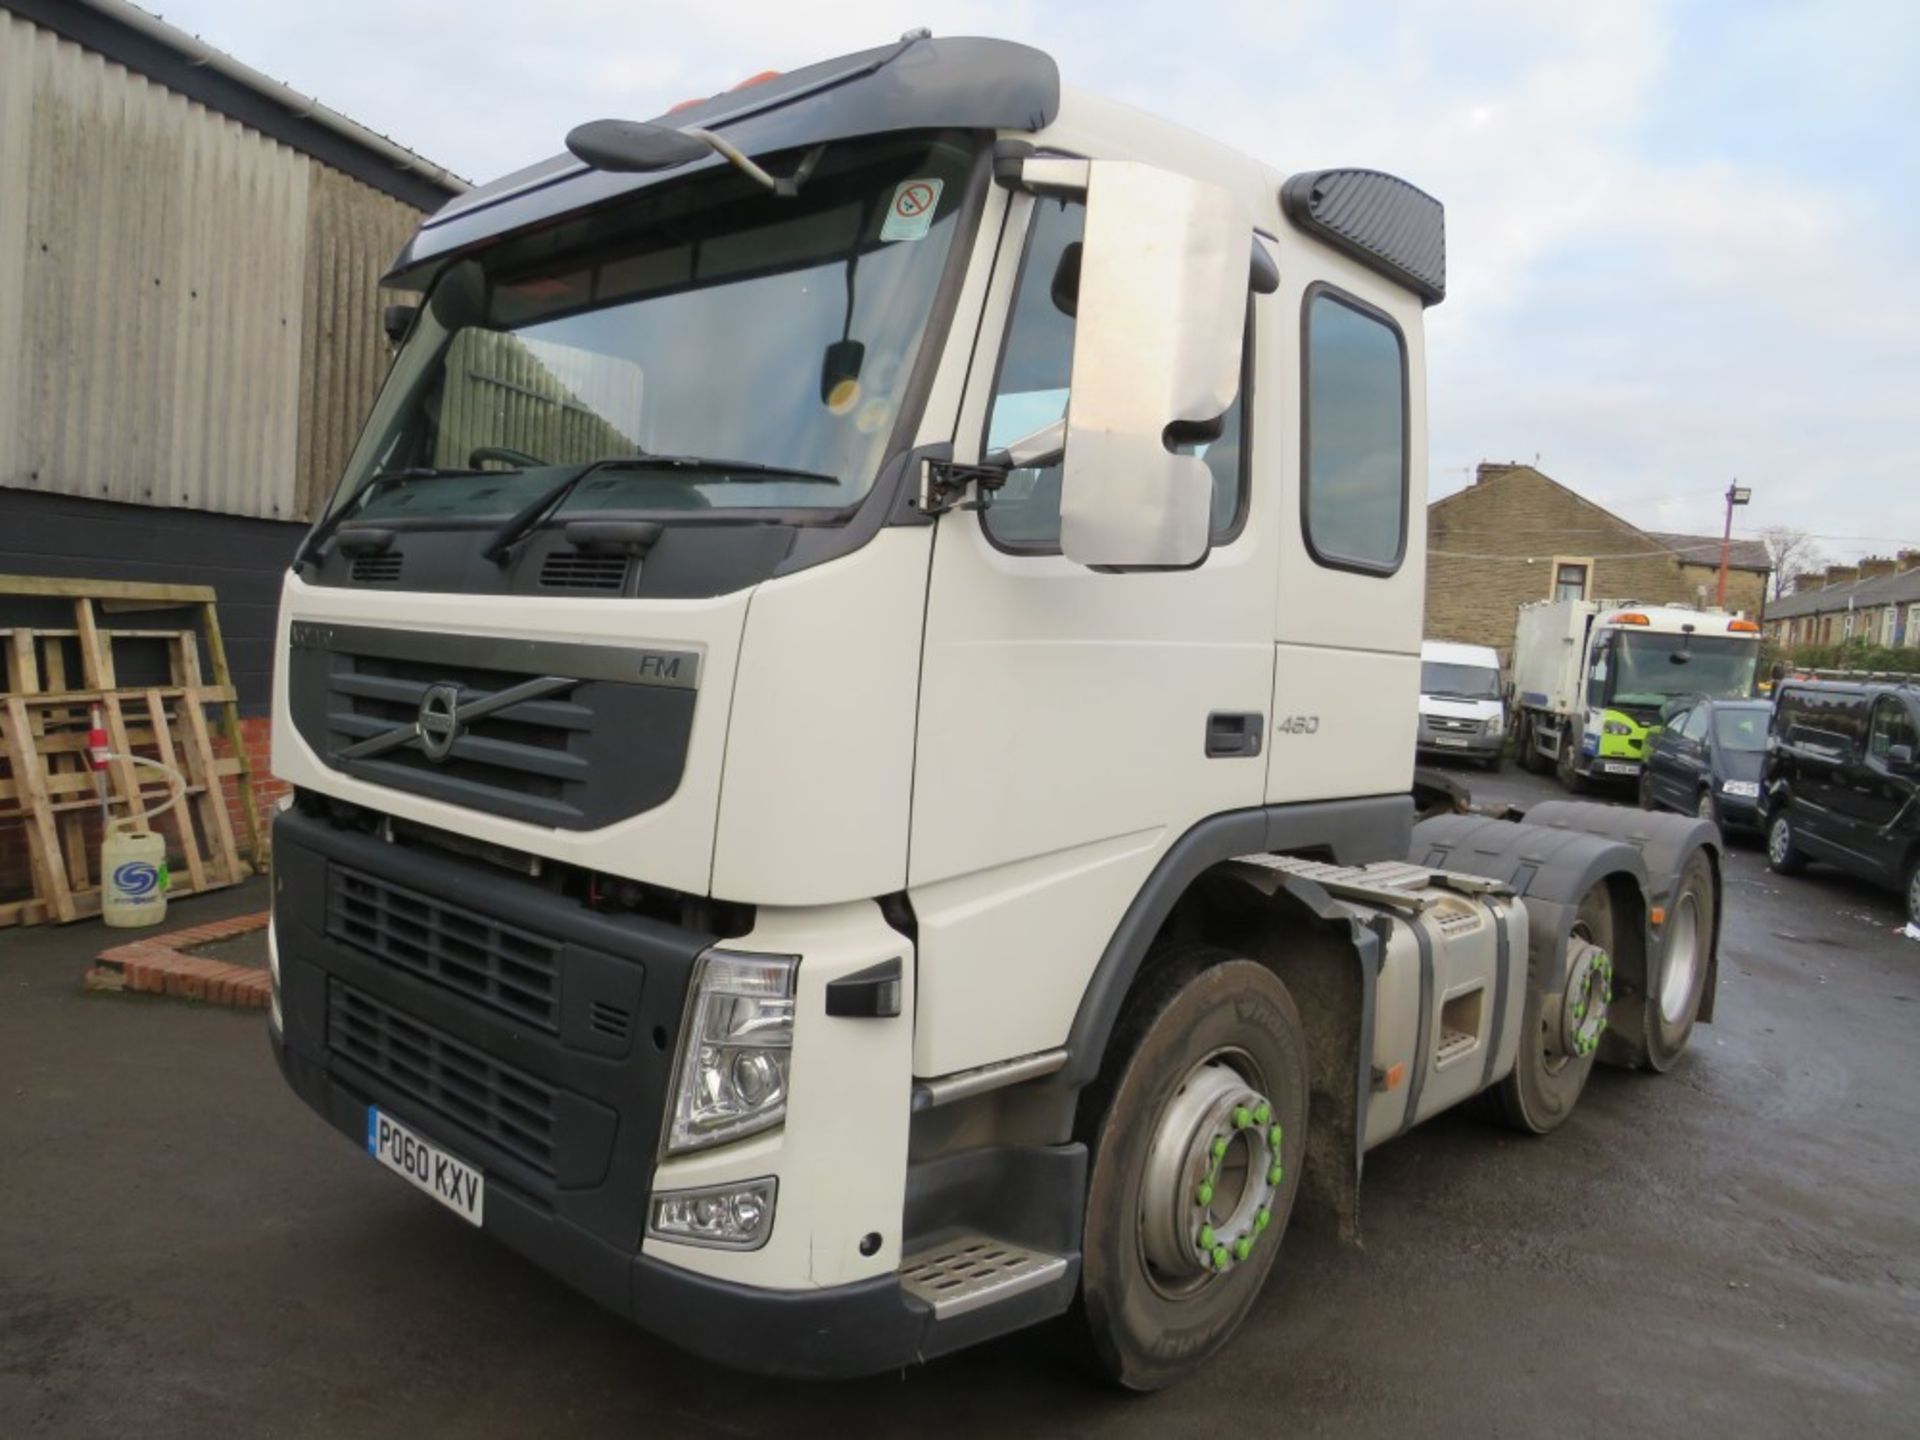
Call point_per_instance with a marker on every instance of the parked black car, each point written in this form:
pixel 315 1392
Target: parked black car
pixel 1707 759
pixel 1842 781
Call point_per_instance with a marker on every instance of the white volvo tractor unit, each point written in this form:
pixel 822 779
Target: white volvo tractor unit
pixel 852 722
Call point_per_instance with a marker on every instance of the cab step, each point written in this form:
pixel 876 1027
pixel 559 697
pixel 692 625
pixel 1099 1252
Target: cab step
pixel 970 1271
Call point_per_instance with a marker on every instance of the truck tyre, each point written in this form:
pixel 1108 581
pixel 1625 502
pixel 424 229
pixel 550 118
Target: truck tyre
pixel 1561 1024
pixel 1647 802
pixel 1569 766
pixel 1783 851
pixel 1197 1131
pixel 1686 943
pixel 1526 749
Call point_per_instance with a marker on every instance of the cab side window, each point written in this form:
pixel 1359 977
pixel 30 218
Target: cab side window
pixel 1891 726
pixel 1353 492
pixel 1695 727
pixel 1030 391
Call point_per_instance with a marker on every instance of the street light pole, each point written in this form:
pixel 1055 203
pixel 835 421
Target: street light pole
pixel 1737 494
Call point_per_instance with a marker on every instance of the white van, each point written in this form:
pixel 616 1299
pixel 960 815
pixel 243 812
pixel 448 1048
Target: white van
pixel 1460 708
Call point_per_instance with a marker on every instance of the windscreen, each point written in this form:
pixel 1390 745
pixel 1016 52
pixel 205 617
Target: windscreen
pixel 1742 729
pixel 1649 668
pixel 1459 682
pixel 773 336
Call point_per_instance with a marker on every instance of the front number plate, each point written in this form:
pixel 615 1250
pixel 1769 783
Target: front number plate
pixel 1615 768
pixel 454 1183
pixel 1449 740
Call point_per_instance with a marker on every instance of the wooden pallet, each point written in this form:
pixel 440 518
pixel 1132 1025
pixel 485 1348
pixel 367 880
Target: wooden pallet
pixel 55 680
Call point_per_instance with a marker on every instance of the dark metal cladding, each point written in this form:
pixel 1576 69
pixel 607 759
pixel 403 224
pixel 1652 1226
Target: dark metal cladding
pixel 1380 220
pixel 926 84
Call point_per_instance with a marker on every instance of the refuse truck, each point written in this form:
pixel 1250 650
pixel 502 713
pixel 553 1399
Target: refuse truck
pixel 1591 677
pixel 851 727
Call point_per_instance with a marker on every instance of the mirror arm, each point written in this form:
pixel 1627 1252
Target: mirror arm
pixel 737 158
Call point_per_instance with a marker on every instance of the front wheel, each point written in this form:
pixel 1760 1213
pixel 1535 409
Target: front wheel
pixel 1647 802
pixel 1570 776
pixel 1913 891
pixel 1784 856
pixel 1706 809
pixel 1197 1129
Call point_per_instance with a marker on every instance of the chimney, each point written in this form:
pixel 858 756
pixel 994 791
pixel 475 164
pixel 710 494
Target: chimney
pixel 1874 566
pixel 1907 560
pixel 1841 575
pixel 1807 581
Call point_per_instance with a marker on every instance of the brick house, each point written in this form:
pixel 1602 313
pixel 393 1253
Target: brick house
pixel 1517 535
pixel 1876 601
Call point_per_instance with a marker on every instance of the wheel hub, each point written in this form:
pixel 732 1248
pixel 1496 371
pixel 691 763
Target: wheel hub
pixel 1582 1013
pixel 1212 1174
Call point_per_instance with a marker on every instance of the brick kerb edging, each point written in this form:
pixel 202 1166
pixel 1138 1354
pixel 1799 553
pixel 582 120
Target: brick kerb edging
pixel 161 965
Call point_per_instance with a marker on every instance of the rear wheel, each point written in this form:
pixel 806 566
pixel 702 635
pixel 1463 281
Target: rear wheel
pixel 1526 749
pixel 1197 1128
pixel 1686 951
pixel 1783 850
pixel 1562 1023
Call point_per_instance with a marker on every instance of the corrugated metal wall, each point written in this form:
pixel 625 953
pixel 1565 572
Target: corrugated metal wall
pixel 188 310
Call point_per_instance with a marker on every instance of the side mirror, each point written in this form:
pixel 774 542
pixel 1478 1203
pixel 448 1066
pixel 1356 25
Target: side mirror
pixel 397 320
pixel 1160 304
pixel 1900 757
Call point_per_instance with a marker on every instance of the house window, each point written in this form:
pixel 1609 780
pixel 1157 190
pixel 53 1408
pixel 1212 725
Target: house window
pixel 1570 578
pixel 1354 495
pixel 1913 624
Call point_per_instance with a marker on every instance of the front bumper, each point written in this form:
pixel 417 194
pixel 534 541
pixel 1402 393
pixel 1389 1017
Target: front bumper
pixel 562 1118
pixel 836 1333
pixel 1471 744
pixel 1738 812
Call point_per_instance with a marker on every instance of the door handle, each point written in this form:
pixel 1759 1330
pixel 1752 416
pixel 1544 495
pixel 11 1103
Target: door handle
pixel 1234 733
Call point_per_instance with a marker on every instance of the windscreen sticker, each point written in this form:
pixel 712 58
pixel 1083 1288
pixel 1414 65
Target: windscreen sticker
pixel 910 215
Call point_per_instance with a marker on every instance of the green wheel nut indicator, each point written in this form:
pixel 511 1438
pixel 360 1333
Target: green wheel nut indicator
pixel 1205 1197
pixel 1275 1175
pixel 1261 1219
pixel 1220 1257
pixel 1263 1114
pixel 1243 1249
pixel 1242 1117
pixel 1206 1237
pixel 1219 1148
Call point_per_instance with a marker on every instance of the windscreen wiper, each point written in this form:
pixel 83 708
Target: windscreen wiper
pixel 535 510
pixel 319 535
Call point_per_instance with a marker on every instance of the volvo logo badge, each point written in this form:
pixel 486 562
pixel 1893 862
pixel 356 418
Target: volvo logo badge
pixel 439 720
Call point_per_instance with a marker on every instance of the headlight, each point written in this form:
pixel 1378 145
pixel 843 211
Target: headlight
pixel 1615 727
pixel 738 1216
pixel 1749 788
pixel 1495 726
pixel 735 1050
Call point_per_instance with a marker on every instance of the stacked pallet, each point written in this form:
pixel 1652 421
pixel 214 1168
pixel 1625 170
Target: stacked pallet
pixel 56 680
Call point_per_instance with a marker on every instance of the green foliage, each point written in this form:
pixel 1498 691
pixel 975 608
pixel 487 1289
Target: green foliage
pixel 1854 654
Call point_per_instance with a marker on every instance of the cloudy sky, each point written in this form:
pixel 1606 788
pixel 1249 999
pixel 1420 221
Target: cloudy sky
pixel 1684 238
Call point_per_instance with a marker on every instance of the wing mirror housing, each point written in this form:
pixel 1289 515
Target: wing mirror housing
pixel 1159 295
pixel 1900 758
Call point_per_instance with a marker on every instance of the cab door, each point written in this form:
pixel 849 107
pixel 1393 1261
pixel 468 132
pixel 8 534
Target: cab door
pixel 1073 722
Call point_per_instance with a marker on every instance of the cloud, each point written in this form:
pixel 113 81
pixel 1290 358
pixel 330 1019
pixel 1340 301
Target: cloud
pixel 1679 241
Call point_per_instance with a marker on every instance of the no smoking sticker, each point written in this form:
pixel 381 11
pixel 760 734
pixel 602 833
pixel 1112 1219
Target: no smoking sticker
pixel 910 214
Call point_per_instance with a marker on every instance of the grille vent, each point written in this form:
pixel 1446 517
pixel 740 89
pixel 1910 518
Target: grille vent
pixel 612 1021
pixel 376 569
pixel 583 570
pixel 509 1107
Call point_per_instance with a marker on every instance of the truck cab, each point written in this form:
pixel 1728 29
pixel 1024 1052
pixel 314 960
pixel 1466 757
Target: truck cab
pixel 852 720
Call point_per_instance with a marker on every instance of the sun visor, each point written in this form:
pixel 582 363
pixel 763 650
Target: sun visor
pixel 960 83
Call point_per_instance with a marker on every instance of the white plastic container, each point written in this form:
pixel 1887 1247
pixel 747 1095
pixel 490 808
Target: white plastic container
pixel 133 870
